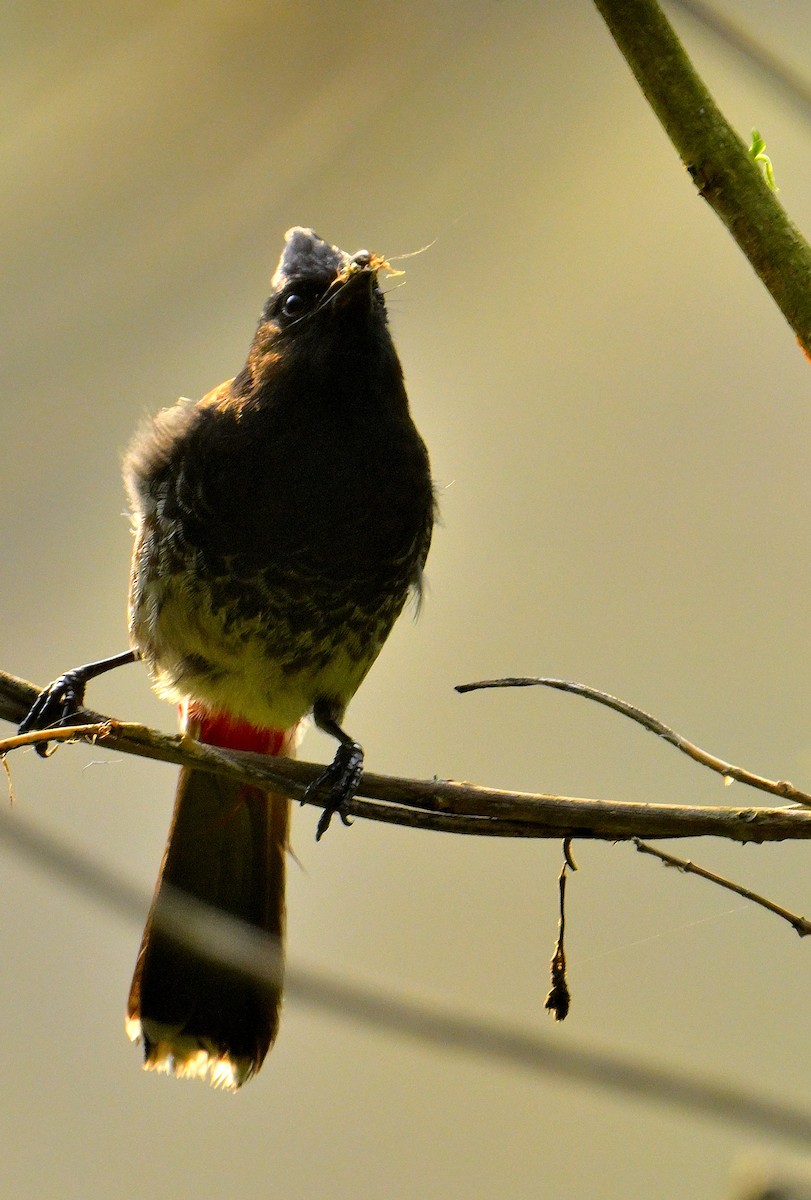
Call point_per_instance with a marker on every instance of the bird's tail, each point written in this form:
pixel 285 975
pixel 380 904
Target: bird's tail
pixel 227 847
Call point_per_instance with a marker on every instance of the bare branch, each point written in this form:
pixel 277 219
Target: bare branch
pixel 437 804
pixel 777 787
pixel 801 924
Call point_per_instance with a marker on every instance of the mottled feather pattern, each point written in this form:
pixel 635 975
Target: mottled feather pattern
pixel 313 586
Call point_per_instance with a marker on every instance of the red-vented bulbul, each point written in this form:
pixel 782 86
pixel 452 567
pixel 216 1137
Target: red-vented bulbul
pixel 280 523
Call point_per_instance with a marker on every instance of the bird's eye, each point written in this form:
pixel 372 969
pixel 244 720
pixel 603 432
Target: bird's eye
pixel 294 304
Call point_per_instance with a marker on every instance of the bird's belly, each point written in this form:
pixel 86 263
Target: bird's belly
pixel 266 663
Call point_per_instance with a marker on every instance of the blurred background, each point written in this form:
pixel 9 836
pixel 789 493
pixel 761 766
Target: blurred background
pixel 619 425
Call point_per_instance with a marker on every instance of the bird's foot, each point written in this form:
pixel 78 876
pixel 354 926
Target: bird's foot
pixel 342 778
pixel 55 704
pixel 63 698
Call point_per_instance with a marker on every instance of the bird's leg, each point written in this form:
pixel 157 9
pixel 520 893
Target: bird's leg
pixel 342 776
pixel 65 696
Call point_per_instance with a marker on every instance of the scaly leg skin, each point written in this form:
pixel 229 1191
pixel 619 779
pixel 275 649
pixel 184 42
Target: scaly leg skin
pixel 64 697
pixel 342 776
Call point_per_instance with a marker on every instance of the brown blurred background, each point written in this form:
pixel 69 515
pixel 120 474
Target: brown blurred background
pixel 619 425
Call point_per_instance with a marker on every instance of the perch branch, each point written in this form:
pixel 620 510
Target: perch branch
pixel 434 804
pixel 716 158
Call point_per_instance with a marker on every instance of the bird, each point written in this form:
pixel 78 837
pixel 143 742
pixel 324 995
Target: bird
pixel 280 524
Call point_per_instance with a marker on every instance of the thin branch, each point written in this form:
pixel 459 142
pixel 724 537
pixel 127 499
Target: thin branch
pixel 65 733
pixel 247 950
pixel 728 770
pixel 800 924
pixel 716 158
pixel 437 804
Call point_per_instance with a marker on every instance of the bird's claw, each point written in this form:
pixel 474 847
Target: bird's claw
pixel 55 704
pixel 342 777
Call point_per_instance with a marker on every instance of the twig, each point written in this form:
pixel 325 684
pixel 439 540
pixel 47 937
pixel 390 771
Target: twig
pixel 777 788
pixel 800 924
pixel 65 733
pixel 437 804
pixel 716 158
pixel 9 781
